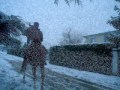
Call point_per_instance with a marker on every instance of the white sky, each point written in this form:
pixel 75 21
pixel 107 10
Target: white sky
pixel 89 18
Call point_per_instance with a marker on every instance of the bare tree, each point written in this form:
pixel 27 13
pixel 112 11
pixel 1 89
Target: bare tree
pixel 78 2
pixel 68 2
pixel 71 37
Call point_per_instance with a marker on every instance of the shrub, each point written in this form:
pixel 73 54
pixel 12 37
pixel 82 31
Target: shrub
pixel 17 51
pixel 89 57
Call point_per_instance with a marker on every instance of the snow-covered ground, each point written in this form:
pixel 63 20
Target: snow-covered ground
pixel 100 79
pixel 12 80
pixel 9 78
pixel 22 38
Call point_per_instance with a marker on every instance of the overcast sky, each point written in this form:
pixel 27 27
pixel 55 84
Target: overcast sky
pixel 89 18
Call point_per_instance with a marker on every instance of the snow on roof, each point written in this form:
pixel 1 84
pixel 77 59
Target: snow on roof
pixel 103 33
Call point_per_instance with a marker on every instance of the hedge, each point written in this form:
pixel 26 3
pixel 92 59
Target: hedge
pixel 89 57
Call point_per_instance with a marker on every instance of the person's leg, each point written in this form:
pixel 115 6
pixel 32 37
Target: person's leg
pixel 34 76
pixel 42 77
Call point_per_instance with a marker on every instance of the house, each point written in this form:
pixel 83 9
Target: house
pixel 99 38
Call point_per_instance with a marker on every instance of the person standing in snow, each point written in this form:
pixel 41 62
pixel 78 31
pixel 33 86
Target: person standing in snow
pixel 35 53
pixel 34 35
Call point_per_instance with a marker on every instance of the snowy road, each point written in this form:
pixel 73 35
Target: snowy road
pixel 11 78
pixel 56 81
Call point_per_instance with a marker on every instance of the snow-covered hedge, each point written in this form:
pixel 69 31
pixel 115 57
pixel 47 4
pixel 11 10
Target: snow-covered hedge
pixel 17 51
pixel 89 57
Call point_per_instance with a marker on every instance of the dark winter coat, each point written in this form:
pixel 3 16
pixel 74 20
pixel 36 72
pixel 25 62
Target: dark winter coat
pixel 35 35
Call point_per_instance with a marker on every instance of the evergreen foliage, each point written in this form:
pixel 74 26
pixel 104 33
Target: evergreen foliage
pixel 89 57
pixel 10 27
pixel 98 48
pixel 115 22
pixel 17 51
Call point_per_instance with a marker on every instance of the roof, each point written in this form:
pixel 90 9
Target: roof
pixel 104 33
